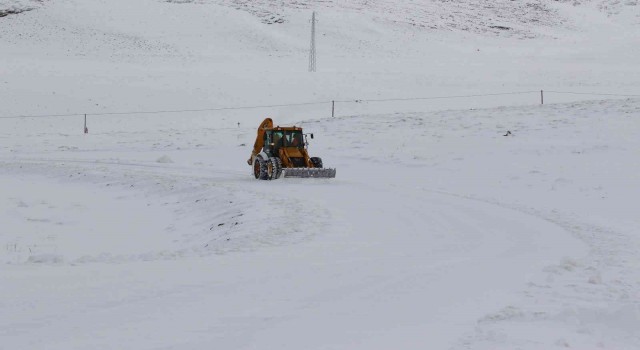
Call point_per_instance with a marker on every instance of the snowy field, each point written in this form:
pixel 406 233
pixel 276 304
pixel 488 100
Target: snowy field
pixel 438 232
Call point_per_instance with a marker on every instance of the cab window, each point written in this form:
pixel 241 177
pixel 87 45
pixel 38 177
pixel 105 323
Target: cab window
pixel 294 139
pixel 278 138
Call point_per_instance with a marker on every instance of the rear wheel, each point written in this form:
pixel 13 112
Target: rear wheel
pixel 260 170
pixel 316 161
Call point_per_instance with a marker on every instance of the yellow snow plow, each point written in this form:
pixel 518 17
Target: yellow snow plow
pixel 283 151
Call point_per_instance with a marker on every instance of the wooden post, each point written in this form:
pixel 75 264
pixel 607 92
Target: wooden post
pixel 333 108
pixel 86 131
pixel 541 97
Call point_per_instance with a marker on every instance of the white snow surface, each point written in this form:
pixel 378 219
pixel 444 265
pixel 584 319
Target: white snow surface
pixel 438 232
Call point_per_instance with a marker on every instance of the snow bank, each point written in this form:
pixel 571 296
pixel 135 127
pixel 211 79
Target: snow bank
pixel 164 159
pixel 45 259
pixel 9 7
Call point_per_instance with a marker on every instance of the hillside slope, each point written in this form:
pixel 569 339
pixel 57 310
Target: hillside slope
pixel 90 57
pixel 503 17
pixel 438 232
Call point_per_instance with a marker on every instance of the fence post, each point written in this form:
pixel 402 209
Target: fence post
pixel 333 108
pixel 86 131
pixel 541 97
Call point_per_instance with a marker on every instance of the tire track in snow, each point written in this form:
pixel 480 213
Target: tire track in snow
pixel 197 197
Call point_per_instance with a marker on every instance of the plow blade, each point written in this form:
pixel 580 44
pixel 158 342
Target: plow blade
pixel 310 172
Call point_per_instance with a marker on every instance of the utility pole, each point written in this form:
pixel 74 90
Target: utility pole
pixel 312 51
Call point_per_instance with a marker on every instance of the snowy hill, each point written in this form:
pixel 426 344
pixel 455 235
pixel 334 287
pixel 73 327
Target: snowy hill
pixel 516 18
pixel 488 221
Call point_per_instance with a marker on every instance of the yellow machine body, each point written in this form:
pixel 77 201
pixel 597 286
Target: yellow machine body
pixel 280 150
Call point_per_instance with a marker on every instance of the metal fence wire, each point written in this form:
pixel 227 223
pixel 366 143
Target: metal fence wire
pixel 332 102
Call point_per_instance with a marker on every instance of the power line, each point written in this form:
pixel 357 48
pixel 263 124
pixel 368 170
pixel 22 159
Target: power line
pixel 438 97
pixel 590 93
pixel 306 104
pixel 43 116
pixel 213 109
pixel 165 111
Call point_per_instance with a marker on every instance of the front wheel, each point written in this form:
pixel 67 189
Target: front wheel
pixel 274 168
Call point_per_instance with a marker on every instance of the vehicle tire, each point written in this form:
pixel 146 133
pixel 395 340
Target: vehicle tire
pixel 317 162
pixel 275 169
pixel 260 168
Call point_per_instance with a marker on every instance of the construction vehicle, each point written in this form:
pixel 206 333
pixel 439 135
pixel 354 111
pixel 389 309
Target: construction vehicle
pixel 283 151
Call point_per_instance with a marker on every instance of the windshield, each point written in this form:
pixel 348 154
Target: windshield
pixel 281 138
pixel 294 139
pixel 278 138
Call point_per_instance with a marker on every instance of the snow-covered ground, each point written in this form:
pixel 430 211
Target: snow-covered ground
pixel 438 231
